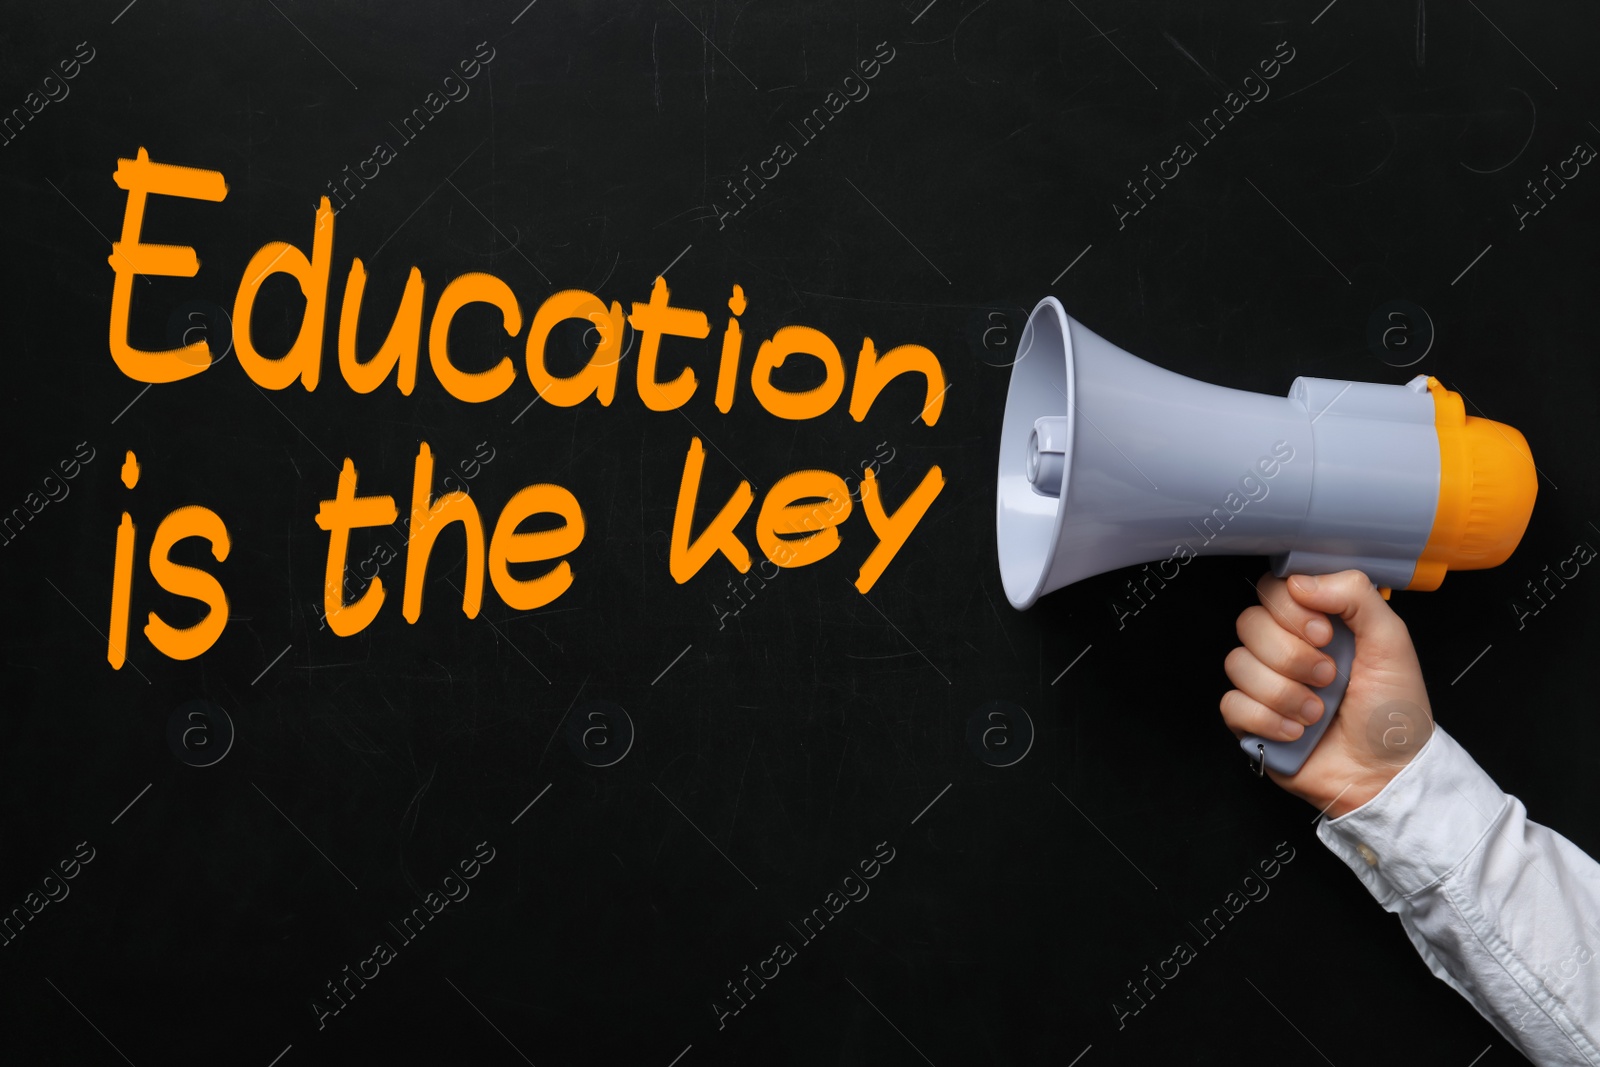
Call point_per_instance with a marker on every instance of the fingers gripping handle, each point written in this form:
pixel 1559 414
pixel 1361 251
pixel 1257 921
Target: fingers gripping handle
pixel 1286 757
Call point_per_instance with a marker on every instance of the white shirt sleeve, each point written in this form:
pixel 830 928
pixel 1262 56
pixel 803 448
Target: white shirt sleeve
pixel 1505 911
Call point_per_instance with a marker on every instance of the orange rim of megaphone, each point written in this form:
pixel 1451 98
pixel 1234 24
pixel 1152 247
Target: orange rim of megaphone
pixel 1487 484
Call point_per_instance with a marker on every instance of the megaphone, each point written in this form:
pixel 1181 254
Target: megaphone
pixel 1107 461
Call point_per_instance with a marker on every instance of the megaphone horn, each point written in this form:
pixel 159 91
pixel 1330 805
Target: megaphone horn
pixel 1107 461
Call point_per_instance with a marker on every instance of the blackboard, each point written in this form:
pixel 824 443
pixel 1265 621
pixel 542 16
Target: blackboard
pixel 580 831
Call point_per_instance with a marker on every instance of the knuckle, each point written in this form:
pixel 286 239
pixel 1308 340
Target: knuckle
pixel 1286 654
pixel 1261 720
pixel 1306 659
pixel 1288 693
pixel 1249 620
pixel 1239 711
pixel 1285 651
pixel 1285 610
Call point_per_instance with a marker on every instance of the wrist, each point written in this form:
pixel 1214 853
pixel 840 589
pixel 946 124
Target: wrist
pixel 1393 735
pixel 1356 792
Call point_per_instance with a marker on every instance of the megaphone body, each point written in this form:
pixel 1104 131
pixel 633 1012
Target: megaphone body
pixel 1107 461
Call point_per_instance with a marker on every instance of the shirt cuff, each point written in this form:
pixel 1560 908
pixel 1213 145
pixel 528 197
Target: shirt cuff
pixel 1422 825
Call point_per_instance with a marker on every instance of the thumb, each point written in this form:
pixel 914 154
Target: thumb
pixel 1351 596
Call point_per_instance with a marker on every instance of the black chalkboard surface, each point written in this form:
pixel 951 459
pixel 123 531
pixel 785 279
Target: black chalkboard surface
pixel 582 790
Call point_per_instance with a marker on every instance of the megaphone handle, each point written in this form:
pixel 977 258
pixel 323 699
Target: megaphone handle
pixel 1286 757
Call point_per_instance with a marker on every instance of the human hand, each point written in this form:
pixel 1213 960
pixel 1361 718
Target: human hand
pixel 1384 718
